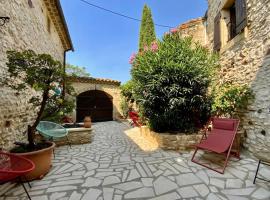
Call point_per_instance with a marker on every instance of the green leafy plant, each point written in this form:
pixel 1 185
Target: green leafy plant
pixel 127 90
pixel 147 31
pixel 59 107
pixel 28 70
pixel 76 71
pixel 124 106
pixel 171 79
pixel 230 99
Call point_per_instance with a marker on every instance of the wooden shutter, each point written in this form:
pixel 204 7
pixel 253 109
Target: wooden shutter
pixel 241 15
pixel 217 36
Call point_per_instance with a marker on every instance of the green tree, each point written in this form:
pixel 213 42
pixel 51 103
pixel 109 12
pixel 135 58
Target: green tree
pixel 57 108
pixel 147 31
pixel 39 72
pixel 76 71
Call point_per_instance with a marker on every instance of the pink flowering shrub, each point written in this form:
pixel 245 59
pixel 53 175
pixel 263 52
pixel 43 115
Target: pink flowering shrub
pixel 132 58
pixel 146 48
pixel 172 79
pixel 154 46
pixel 174 30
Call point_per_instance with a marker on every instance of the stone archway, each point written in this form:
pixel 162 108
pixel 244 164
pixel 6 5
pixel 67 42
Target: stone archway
pixel 105 87
pixel 95 103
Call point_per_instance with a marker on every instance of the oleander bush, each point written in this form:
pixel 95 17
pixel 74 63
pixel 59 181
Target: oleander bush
pixel 170 79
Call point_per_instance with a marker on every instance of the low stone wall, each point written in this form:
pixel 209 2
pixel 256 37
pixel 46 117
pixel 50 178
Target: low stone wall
pixel 168 141
pixel 182 142
pixel 76 136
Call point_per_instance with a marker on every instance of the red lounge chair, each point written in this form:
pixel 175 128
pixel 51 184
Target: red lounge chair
pixel 14 167
pixel 219 140
pixel 134 116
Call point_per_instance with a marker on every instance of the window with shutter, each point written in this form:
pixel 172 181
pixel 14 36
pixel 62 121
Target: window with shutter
pixel 217 36
pixel 241 15
pixel 232 23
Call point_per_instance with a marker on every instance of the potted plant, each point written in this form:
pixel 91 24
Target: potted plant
pixel 37 74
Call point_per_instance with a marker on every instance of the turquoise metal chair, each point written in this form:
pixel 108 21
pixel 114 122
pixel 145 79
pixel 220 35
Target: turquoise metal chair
pixel 52 131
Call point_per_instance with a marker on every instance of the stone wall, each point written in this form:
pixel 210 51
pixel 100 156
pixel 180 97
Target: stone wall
pixel 76 136
pixel 111 89
pixel 166 141
pixel 196 29
pixel 246 60
pixel 27 29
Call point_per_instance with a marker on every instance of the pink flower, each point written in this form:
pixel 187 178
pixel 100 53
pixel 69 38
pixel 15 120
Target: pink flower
pixel 145 48
pixel 174 30
pixel 154 46
pixel 132 58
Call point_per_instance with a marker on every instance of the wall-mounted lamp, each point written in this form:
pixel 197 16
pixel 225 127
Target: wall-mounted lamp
pixel 4 20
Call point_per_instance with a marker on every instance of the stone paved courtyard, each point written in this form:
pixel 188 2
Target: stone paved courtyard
pixel 113 167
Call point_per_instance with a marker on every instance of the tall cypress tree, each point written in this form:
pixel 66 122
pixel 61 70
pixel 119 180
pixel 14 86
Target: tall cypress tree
pixel 147 31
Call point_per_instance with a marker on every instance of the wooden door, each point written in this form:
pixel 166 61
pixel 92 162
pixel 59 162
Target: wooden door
pixel 94 103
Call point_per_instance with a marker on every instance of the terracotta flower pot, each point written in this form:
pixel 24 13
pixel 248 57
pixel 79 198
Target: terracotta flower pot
pixel 87 122
pixel 43 162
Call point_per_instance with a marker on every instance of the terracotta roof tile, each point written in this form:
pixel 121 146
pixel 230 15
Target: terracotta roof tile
pixel 190 23
pixel 93 80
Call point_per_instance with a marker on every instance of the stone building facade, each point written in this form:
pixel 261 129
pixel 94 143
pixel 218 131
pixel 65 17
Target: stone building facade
pixel 34 24
pixel 239 30
pixel 110 87
pixel 196 29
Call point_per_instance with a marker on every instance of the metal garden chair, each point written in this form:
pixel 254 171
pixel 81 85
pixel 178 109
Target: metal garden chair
pixel 264 158
pixel 52 131
pixel 14 167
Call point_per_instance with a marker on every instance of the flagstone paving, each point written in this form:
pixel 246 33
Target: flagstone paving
pixel 113 167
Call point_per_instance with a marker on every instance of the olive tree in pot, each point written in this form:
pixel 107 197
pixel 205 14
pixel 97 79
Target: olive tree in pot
pixel 29 71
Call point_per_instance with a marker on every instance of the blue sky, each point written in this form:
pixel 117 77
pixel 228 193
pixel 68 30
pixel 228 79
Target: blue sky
pixel 103 42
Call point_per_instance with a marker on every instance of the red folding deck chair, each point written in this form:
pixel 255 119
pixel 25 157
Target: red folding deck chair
pixel 219 140
pixel 134 116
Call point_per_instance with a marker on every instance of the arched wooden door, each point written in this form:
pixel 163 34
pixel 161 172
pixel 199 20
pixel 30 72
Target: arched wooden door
pixel 94 103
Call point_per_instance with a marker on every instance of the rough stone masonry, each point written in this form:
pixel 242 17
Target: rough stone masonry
pixel 33 26
pixel 246 60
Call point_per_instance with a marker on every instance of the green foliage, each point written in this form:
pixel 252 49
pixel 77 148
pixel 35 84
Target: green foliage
pixel 171 80
pixel 230 99
pixel 147 31
pixel 58 107
pixel 76 71
pixel 37 71
pixel 124 106
pixel 127 90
